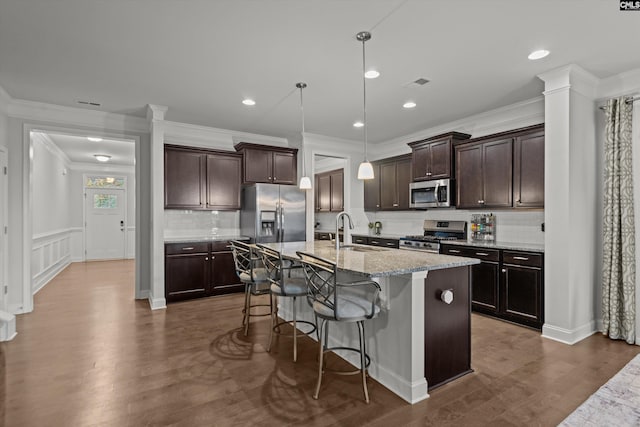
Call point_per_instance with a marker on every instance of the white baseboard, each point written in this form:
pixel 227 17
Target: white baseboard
pixel 569 336
pixel 143 294
pixel 157 303
pixel 17 309
pixel 7 326
pixel 45 277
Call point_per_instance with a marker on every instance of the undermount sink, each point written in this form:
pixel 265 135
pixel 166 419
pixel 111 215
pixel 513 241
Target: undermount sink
pixel 362 248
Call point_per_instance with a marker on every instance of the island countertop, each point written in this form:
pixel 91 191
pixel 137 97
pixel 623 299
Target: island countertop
pixel 373 261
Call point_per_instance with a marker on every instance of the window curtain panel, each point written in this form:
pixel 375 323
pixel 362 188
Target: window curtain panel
pixel 619 269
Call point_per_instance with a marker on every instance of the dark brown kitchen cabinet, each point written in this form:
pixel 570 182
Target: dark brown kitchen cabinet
pixel 506 284
pixel 329 191
pixel 263 163
pixel 395 177
pixel 432 158
pixel 372 190
pixel 199 269
pixel 375 241
pixel 201 179
pixel 484 174
pixel 528 170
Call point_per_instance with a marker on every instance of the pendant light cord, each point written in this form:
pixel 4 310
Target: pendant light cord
pixel 302 111
pixel 364 103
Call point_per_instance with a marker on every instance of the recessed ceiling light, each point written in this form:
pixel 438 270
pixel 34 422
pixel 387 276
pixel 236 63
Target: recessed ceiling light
pixel 409 104
pixel 372 74
pixel 94 139
pixel 102 157
pixel 248 101
pixel 538 54
pixel 358 124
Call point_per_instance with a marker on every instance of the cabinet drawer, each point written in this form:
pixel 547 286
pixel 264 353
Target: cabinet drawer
pixel 362 240
pixel 186 248
pixel 220 246
pixel 522 258
pixel 470 252
pixel 389 243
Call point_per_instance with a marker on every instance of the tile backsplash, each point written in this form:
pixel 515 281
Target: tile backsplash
pixel 186 223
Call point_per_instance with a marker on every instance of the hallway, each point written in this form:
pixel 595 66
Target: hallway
pixel 91 355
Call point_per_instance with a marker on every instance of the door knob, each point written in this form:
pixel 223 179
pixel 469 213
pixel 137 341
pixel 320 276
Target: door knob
pixel 447 296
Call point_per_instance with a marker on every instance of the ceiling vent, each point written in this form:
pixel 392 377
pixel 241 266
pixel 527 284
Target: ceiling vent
pixel 94 104
pixel 417 83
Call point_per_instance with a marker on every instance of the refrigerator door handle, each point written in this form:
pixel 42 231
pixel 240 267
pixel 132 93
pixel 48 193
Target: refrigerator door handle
pixel 278 223
pixel 281 223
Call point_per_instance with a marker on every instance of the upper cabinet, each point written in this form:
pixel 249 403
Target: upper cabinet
pixel 432 158
pixel 329 191
pixel 502 170
pixel 263 163
pixel 389 190
pixel 201 179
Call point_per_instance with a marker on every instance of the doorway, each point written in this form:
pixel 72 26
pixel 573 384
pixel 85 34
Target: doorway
pixel 3 227
pixel 105 222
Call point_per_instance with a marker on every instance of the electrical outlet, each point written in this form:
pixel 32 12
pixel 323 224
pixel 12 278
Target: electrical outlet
pixel 542 227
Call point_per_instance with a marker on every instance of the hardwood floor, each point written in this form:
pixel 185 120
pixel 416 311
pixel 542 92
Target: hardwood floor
pixel 91 355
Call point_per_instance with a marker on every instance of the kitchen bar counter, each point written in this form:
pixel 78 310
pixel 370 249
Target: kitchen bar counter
pixel 527 247
pixel 417 341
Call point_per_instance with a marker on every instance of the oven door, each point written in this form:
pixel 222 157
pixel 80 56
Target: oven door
pixel 431 194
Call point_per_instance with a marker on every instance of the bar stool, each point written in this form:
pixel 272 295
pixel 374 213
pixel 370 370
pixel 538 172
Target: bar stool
pixel 334 301
pixel 252 273
pixel 283 285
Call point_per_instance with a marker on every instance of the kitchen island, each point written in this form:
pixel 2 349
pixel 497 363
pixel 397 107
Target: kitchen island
pixel 417 337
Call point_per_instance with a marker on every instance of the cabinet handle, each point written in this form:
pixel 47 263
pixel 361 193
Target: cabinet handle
pixel 454 251
pixel 375 242
pixel 521 258
pixel 395 204
pixel 504 270
pixel 206 258
pixel 390 244
pixel 517 200
pixel 189 248
pixel 212 258
pixel 481 202
pixel 482 254
pixel 377 206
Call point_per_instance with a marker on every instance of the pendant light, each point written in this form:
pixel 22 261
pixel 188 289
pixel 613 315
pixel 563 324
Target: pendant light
pixel 365 170
pixel 305 181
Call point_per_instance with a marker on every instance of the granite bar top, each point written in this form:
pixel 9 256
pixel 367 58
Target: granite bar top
pixel 372 261
pixel 215 238
pixel 529 247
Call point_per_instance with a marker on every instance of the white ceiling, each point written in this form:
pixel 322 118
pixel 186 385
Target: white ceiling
pixel 80 150
pixel 201 58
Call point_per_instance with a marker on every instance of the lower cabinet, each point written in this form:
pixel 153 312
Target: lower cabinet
pixel 376 241
pixel 506 284
pixel 199 269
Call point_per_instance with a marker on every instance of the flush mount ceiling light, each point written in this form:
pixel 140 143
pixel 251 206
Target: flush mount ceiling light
pixel 248 101
pixel 94 138
pixel 102 157
pixel 372 74
pixel 358 124
pixel 365 170
pixel 305 181
pixel 538 54
pixel 409 104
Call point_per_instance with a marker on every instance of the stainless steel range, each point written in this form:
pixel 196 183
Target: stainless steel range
pixel 434 232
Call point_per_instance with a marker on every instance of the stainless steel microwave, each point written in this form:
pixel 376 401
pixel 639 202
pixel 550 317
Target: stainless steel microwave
pixel 432 194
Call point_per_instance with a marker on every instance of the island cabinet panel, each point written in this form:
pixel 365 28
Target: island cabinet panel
pixel 447 326
pixel 432 158
pixel 184 179
pixel 223 181
pixel 267 164
pixel 372 190
pixel 528 170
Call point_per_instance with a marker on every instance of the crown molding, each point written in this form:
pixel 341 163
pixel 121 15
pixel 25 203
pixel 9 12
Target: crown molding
pixel 329 145
pixel 156 112
pixel 185 133
pixel 5 101
pixel 51 146
pixel 94 168
pixel 627 83
pixel 39 111
pixel 572 77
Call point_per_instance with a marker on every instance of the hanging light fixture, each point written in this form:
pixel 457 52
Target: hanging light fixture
pixel 365 170
pixel 305 181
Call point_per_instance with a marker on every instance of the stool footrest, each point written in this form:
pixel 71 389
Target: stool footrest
pixel 277 326
pixel 355 350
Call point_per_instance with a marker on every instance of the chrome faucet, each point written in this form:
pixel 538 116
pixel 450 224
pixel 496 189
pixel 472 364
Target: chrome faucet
pixel 347 233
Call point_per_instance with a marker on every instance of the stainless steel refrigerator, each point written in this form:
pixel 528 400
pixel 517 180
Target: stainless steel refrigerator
pixel 273 213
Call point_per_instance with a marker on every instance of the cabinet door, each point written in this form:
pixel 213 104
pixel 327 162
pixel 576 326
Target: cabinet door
pixel 284 168
pixel 528 171
pixel 403 177
pixel 440 160
pixel 522 294
pixel 372 190
pixel 469 176
pixel 224 279
pixel 484 286
pixel 421 160
pixel 324 193
pixel 388 186
pixel 186 276
pixel 337 190
pixel 497 169
pixel 257 165
pixel 184 179
pixel 223 182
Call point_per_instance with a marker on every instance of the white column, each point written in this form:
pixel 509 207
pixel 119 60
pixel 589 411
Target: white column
pixel 571 177
pixel 155 115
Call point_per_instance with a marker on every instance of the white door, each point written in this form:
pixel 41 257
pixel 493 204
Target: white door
pixel 3 226
pixel 105 224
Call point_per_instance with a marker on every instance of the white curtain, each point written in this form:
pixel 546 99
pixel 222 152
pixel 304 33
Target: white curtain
pixel 619 257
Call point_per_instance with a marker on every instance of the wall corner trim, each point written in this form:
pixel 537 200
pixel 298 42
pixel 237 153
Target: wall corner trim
pixel 569 336
pixel 157 303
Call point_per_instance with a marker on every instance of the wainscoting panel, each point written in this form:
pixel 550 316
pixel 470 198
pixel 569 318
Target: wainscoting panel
pixel 51 253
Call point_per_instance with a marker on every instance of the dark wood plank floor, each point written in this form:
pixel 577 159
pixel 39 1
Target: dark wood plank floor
pixel 91 355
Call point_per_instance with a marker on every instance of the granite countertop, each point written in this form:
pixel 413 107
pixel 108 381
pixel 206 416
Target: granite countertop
pixel 361 234
pixel 213 238
pixel 374 261
pixel 529 247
